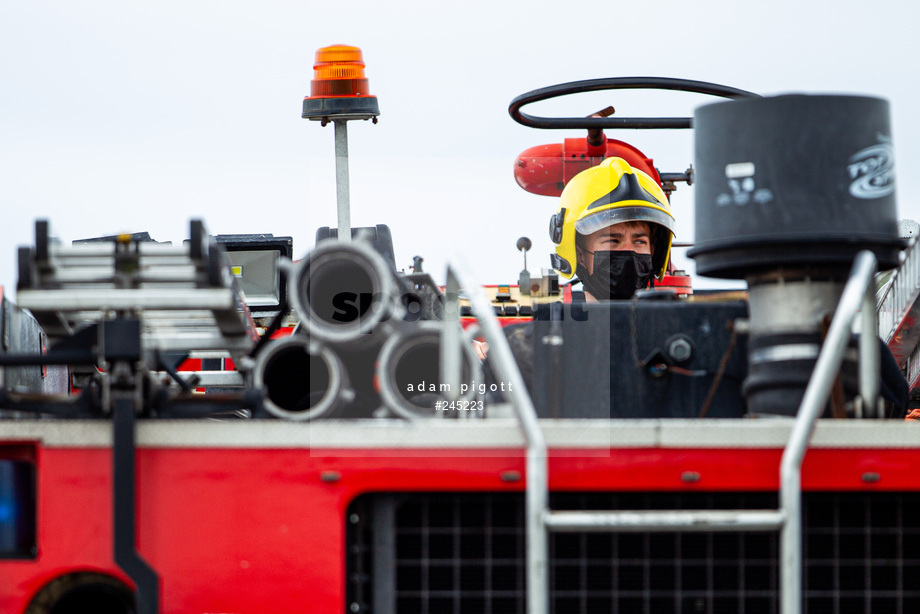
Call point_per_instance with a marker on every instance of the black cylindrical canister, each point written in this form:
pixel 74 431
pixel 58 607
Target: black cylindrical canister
pixel 794 181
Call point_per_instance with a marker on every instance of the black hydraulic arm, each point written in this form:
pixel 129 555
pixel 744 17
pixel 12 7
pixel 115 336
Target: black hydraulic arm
pixel 124 497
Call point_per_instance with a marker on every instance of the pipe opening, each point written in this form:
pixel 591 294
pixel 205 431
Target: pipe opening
pixel 286 384
pixel 339 293
pixel 416 373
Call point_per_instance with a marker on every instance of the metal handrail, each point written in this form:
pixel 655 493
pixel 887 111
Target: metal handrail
pixel 858 292
pixel 902 291
pixel 537 489
pixel 678 521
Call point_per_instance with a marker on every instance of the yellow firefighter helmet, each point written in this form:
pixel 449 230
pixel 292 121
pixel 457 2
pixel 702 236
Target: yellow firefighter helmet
pixel 610 193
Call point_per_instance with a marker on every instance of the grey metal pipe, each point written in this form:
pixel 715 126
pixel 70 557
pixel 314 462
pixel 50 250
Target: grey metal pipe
pixel 664 521
pixel 450 340
pixel 816 395
pixel 537 482
pixel 356 272
pixel 292 371
pixel 342 198
pixel 869 355
pixel 412 352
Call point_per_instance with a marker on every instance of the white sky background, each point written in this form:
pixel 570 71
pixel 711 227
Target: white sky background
pixel 126 117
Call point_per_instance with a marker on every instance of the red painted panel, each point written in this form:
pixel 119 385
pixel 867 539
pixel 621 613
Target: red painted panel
pixel 257 530
pixel 74 524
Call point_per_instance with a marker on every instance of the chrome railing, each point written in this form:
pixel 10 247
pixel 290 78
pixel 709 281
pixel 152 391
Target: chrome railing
pixel 537 495
pixel 900 293
pixel 859 294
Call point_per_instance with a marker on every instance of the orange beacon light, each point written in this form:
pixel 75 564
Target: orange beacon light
pixel 338 94
pixel 339 89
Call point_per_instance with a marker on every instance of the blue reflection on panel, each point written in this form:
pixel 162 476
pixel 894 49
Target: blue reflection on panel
pixel 17 508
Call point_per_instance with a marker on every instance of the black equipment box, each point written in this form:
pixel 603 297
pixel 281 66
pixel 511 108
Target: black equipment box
pixel 639 359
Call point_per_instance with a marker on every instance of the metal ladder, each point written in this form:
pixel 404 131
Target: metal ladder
pixel 859 294
pixel 899 313
pixel 142 299
pixel 184 294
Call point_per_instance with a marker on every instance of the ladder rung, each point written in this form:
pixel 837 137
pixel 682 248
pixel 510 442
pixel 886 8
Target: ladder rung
pixel 86 299
pixel 664 521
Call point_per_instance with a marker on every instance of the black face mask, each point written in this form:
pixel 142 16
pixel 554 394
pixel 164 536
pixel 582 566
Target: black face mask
pixel 617 274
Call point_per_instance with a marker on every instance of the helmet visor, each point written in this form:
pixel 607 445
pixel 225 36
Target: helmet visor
pixel 593 222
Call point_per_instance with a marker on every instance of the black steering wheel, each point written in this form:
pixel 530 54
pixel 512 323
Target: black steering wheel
pixel 617 83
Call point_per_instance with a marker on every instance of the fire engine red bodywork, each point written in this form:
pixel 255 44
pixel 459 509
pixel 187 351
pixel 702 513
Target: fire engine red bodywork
pixel 248 530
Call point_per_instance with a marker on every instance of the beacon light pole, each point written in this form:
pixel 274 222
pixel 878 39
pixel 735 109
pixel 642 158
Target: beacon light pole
pixel 339 93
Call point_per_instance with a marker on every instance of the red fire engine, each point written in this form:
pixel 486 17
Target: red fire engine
pixel 214 428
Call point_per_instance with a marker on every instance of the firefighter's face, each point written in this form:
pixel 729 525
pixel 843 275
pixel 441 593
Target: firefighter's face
pixel 627 236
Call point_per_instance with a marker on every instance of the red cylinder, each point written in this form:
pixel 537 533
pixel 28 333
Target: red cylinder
pixel 546 169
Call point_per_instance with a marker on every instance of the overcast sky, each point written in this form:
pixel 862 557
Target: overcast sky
pixel 133 116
